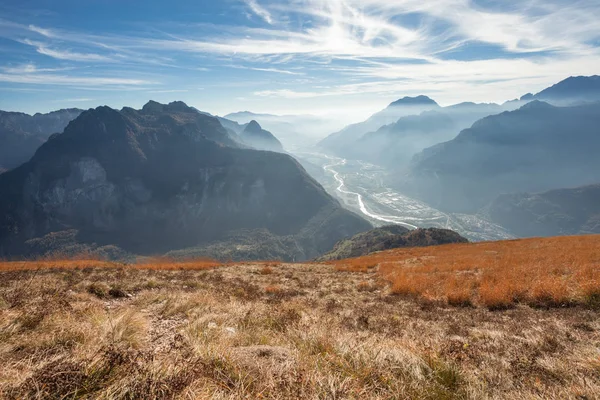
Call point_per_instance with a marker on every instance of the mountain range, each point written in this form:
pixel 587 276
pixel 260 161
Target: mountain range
pixel 21 134
pixel 343 140
pixel 411 124
pixel 159 179
pixel 535 148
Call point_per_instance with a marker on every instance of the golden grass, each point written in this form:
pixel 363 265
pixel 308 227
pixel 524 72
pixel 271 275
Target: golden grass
pixel 540 272
pixel 300 331
pixel 155 263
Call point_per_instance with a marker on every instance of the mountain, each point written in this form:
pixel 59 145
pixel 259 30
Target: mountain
pixel 160 179
pixel 395 144
pixel 535 148
pixel 260 139
pixel 573 90
pixel 339 141
pixel 291 130
pixel 21 134
pixel 557 212
pixel 390 237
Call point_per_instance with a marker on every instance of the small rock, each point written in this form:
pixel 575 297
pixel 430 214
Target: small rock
pixel 212 325
pixel 230 330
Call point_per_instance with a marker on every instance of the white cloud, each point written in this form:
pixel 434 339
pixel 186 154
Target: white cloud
pixel 260 11
pixel 44 32
pixel 74 100
pixel 71 56
pixel 169 91
pixel 53 79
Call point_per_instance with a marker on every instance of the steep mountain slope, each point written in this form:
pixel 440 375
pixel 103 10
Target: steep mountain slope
pixel 254 135
pixel 163 178
pixel 553 213
pixel 535 148
pixel 573 90
pixel 390 237
pixel 22 134
pixel 339 141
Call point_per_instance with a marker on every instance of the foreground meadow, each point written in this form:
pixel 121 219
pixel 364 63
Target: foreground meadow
pixel 351 329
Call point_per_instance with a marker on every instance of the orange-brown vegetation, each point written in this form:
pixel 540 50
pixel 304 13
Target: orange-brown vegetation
pixel 545 272
pixel 185 330
pixel 154 263
pixel 266 270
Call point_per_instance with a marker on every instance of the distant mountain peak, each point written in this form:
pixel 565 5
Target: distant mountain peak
pixel 527 97
pixel 175 106
pixel 536 105
pixel 413 101
pixel 253 127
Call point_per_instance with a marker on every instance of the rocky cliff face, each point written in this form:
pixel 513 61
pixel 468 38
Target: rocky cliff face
pixel 22 134
pixel 159 179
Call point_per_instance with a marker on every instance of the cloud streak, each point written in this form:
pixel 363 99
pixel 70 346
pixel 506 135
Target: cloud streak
pixel 317 49
pixel 260 11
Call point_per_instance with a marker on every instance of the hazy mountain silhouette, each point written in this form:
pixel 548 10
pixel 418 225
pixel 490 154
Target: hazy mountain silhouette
pixel 21 134
pixel 556 212
pixel 340 141
pixel 535 148
pixel 162 178
pixel 259 138
pixel 291 130
pixel 573 90
pixel 395 144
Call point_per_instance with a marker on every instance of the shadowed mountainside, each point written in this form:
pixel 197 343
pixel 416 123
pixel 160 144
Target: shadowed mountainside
pixel 159 179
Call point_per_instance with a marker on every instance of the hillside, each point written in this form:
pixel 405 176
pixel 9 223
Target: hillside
pixel 390 237
pixel 536 148
pixel 557 212
pixel 516 319
pixel 159 179
pixel 22 134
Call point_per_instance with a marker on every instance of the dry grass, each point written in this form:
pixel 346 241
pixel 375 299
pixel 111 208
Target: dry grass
pixel 154 263
pixel 109 331
pixel 550 272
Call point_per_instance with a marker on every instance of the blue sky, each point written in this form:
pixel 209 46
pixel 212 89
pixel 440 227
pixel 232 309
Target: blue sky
pixel 343 58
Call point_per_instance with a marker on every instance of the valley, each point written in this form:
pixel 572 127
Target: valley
pixel 361 187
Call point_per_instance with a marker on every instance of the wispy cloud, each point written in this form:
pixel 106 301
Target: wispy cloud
pixel 259 10
pixel 321 48
pixel 168 91
pixel 56 79
pixel 66 54
pixel 75 100
pixel 44 32
pixel 71 56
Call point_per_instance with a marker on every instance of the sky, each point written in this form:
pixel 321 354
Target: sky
pixel 339 58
